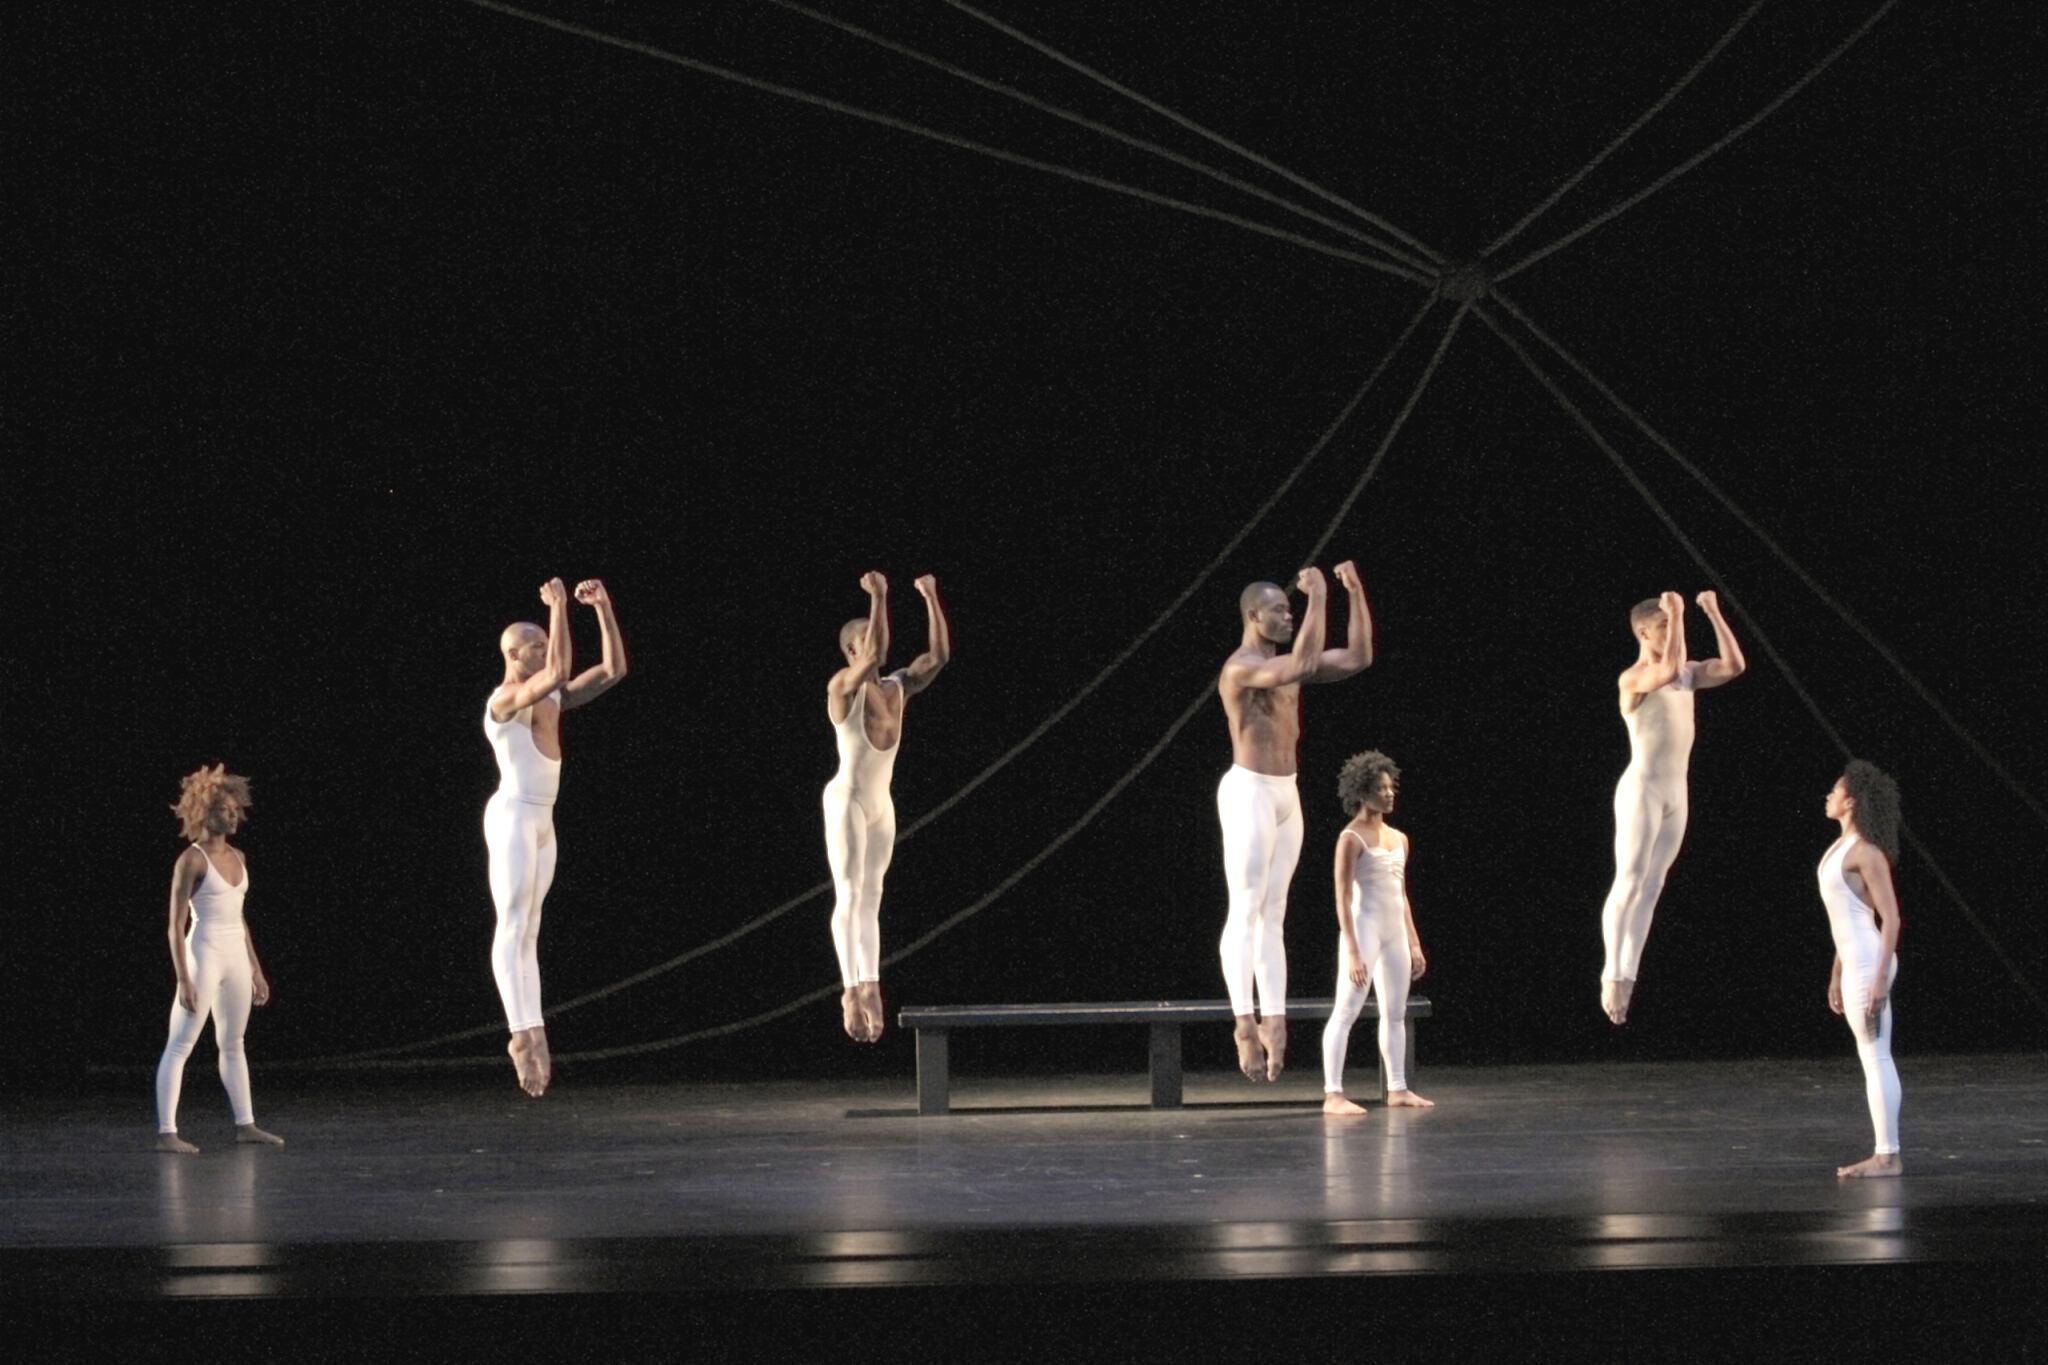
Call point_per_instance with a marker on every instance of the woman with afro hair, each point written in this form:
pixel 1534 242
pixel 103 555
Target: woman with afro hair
pixel 1863 913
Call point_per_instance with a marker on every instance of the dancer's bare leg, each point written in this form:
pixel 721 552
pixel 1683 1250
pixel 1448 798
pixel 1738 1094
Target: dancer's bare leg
pixel 250 1133
pixel 1407 1099
pixel 521 1048
pixel 1614 998
pixel 871 1010
pixel 1251 1055
pixel 1882 1164
pixel 1335 1103
pixel 1273 1039
pixel 171 1142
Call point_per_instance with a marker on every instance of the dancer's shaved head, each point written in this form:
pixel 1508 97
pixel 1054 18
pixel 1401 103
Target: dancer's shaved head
pixel 1254 596
pixel 519 634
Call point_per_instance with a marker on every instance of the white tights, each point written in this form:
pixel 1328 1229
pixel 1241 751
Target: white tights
pixel 860 839
pixel 1261 818
pixel 1649 825
pixel 218 964
pixel 1880 1076
pixel 521 840
pixel 1384 947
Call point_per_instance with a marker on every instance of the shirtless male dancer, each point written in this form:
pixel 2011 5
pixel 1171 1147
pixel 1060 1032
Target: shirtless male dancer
pixel 1256 802
pixel 523 721
pixel 866 711
pixel 1650 800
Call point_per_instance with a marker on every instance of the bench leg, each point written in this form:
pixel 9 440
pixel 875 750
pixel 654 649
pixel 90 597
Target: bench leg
pixel 1408 1058
pixel 933 1083
pixel 1166 1070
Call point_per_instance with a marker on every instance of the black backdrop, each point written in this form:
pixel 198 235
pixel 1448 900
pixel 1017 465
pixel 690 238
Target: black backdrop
pixel 336 332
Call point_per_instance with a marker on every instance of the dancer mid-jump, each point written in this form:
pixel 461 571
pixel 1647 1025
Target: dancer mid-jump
pixel 523 721
pixel 212 953
pixel 866 711
pixel 1256 802
pixel 1650 800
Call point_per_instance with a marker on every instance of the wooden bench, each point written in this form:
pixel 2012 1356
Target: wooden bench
pixel 934 1023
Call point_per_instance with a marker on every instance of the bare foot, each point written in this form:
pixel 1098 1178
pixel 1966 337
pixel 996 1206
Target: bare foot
pixel 1273 1038
pixel 543 1061
pixel 171 1142
pixel 1335 1103
pixel 1251 1058
pixel 1884 1163
pixel 1614 996
pixel 521 1050
pixel 249 1132
pixel 1407 1099
pixel 849 1009
pixel 871 1009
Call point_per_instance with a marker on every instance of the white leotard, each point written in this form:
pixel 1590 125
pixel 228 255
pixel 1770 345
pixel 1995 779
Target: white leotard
pixel 862 767
pixel 1379 921
pixel 860 839
pixel 1660 729
pixel 1650 811
pixel 223 985
pixel 524 772
pixel 1859 944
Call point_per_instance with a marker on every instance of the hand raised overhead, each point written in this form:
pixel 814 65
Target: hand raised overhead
pixel 925 584
pixel 591 591
pixel 1347 574
pixel 552 592
pixel 873 584
pixel 1311 582
pixel 1709 603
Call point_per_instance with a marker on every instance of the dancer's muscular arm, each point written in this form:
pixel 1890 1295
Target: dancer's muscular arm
pixel 1869 862
pixel 1417 963
pixel 259 983
pixel 554 672
pixel 1356 655
pixel 594 682
pixel 867 657
pixel 1299 663
pixel 1730 665
pixel 938 649
pixel 1348 851
pixel 185 874
pixel 1644 678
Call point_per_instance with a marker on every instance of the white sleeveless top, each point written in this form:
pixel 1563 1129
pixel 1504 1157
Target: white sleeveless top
pixel 215 904
pixel 524 772
pixel 1378 879
pixel 1660 729
pixel 1850 917
pixel 862 766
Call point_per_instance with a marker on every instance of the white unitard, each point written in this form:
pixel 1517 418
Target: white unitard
pixel 1859 945
pixel 860 838
pixel 1379 922
pixel 1261 818
pixel 1649 818
pixel 519 831
pixel 217 963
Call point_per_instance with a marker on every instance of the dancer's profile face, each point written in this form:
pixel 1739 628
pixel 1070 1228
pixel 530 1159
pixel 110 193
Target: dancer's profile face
pixel 1380 797
pixel 1273 618
pixel 1838 802
pixel 526 648
pixel 1654 633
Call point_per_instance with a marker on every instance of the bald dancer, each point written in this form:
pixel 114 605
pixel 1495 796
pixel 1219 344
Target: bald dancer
pixel 1256 801
pixel 523 721
pixel 1650 801
pixel 866 710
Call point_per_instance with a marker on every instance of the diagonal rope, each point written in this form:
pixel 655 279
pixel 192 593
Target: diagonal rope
pixel 1763 642
pixel 1426 271
pixel 1202 699
pixel 1002 761
pixel 1092 74
pixel 952 140
pixel 1784 557
pixel 1682 167
pixel 1611 148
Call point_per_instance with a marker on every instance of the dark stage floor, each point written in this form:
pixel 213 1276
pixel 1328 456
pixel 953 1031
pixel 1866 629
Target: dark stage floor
pixel 610 1188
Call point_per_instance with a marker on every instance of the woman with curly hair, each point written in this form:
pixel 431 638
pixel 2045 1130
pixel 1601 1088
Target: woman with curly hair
pixel 1376 926
pixel 211 952
pixel 1863 913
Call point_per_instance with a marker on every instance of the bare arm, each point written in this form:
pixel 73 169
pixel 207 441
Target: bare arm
pixel 1876 870
pixel 1730 665
pixel 185 874
pixel 1835 985
pixel 592 683
pixel 1417 963
pixel 1348 849
pixel 507 700
pixel 259 983
pixel 1642 679
pixel 1299 663
pixel 939 642
pixel 1356 655
pixel 874 645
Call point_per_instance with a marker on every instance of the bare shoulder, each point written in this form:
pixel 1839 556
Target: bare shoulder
pixel 1400 838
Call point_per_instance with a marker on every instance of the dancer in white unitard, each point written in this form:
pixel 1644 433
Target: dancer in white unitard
pixel 1863 914
pixel 212 953
pixel 1376 930
pixel 866 711
pixel 523 721
pixel 1650 800
pixel 1256 802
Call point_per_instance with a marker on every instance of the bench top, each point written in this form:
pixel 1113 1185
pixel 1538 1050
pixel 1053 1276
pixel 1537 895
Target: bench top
pixel 1118 1012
